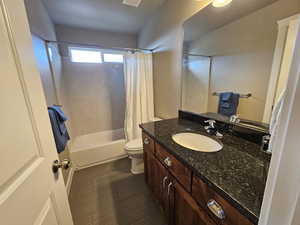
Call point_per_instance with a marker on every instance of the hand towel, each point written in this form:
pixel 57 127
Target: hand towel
pixel 59 129
pixel 228 103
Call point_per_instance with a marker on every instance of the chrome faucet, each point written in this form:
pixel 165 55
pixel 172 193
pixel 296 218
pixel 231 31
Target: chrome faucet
pixel 265 143
pixel 211 129
pixel 234 119
pixel 211 124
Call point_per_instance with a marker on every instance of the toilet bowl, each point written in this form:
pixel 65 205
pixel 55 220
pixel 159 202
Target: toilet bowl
pixel 134 149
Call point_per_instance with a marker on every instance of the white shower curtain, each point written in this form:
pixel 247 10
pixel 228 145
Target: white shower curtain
pixel 139 92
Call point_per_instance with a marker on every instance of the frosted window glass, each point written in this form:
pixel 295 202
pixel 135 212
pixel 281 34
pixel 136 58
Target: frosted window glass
pixel 116 58
pixel 85 56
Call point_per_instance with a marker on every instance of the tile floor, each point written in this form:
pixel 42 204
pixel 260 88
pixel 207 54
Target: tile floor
pixel 109 194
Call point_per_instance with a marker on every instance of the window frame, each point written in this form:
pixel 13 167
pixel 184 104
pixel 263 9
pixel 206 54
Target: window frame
pixel 113 52
pixel 70 48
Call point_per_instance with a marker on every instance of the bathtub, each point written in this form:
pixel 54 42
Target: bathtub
pixel 96 148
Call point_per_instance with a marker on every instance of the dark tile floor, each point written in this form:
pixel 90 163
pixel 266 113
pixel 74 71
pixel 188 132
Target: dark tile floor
pixel 109 194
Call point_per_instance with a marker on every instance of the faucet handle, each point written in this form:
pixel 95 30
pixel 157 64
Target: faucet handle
pixel 234 118
pixel 211 123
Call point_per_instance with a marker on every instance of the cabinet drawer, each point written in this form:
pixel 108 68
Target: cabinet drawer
pixel 148 144
pixel 176 168
pixel 187 211
pixel 202 193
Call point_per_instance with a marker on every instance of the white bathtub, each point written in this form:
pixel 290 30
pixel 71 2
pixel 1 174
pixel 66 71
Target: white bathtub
pixel 97 148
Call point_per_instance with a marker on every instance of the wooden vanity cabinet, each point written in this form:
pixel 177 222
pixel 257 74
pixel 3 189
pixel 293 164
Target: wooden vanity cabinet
pixel 160 181
pixel 202 193
pixel 176 168
pixel 148 146
pixel 185 210
pixel 156 175
pixel 178 205
pixel 183 197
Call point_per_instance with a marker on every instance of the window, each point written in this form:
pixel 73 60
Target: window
pixel 93 55
pixel 85 55
pixel 116 58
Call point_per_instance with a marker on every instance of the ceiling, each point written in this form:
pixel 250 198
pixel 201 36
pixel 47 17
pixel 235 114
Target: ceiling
pixel 211 18
pixel 108 15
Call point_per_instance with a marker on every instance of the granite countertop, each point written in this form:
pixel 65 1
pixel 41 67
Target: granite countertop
pixel 238 172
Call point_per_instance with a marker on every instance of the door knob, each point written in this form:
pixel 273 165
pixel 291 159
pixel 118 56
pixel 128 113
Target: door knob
pixel 65 164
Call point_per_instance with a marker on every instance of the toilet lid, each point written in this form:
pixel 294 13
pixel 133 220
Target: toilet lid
pixel 136 144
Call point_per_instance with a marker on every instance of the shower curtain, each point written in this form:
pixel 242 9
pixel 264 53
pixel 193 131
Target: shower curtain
pixel 139 92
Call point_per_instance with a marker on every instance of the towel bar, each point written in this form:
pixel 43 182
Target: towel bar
pixel 241 95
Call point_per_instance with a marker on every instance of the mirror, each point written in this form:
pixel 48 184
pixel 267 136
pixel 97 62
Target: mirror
pixel 228 61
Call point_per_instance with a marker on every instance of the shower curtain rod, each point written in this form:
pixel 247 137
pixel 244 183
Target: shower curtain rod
pixel 99 46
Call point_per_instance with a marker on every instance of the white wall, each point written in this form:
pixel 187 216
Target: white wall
pixel 87 36
pixel 95 92
pixel 41 56
pixel 243 54
pixel 164 32
pixel 42 26
pixel 195 84
pixel 40 22
pixel 96 95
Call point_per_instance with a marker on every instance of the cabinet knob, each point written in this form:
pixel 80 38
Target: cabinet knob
pixel 146 141
pixel 168 161
pixel 216 209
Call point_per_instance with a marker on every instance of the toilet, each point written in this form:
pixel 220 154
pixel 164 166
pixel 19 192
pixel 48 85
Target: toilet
pixel 134 149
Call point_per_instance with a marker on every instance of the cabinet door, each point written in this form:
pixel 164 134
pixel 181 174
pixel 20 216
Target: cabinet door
pixel 160 182
pixel 185 210
pixel 148 146
pixel 146 171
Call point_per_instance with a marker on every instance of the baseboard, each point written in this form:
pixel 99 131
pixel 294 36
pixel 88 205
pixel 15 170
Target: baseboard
pixel 70 179
pixel 102 162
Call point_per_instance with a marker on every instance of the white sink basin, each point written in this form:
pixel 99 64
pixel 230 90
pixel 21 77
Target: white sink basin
pixel 197 142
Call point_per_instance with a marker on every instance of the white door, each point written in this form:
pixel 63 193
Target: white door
pixel 287 59
pixel 30 194
pixel 285 44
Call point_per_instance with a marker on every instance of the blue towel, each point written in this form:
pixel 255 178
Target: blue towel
pixel 226 96
pixel 228 103
pixel 60 133
pixel 61 118
pixel 61 115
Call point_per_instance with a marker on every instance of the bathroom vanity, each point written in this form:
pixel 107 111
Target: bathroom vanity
pixel 207 188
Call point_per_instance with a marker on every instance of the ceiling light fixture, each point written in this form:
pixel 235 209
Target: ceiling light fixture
pixel 221 3
pixel 133 3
